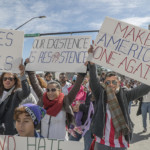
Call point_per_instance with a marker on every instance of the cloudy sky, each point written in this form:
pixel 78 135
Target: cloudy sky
pixel 69 15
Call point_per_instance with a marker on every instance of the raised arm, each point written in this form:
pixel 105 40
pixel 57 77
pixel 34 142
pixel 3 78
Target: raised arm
pixel 94 82
pixel 35 85
pixel 25 90
pixel 73 92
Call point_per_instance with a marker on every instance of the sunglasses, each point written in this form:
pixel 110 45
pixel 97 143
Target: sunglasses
pixel 52 90
pixel 108 82
pixel 9 78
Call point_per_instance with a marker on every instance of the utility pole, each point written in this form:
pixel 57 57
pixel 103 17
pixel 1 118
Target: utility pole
pixel 29 21
pixel 57 33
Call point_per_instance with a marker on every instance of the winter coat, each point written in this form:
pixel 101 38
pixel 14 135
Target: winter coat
pixel 124 97
pixel 85 107
pixel 68 99
pixel 8 106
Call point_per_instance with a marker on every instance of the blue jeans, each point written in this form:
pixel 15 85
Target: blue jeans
pixel 129 107
pixel 145 108
pixel 87 140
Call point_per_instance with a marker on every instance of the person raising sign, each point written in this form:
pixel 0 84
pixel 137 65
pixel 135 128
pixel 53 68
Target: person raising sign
pixel 58 107
pixel 12 93
pixel 111 124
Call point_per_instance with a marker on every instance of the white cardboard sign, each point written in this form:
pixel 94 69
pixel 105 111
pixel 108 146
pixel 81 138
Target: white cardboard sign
pixel 123 48
pixel 31 143
pixel 63 53
pixel 11 46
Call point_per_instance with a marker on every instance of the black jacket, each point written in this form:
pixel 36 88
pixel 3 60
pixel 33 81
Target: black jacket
pixel 124 97
pixel 85 107
pixel 8 106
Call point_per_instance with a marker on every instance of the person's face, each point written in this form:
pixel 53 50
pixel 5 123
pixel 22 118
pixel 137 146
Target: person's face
pixel 112 82
pixel 103 75
pixel 62 79
pixel 8 80
pixel 52 91
pixel 24 125
pixel 48 77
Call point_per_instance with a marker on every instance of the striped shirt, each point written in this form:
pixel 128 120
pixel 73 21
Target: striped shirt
pixel 109 134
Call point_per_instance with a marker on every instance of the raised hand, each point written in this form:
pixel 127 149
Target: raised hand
pixel 21 68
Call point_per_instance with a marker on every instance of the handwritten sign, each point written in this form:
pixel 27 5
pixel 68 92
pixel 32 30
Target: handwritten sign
pixel 30 143
pixel 11 45
pixel 123 48
pixel 64 53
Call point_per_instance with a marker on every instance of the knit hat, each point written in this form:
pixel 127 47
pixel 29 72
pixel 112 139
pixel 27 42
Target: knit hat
pixel 36 112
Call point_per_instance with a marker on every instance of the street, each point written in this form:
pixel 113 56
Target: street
pixel 140 140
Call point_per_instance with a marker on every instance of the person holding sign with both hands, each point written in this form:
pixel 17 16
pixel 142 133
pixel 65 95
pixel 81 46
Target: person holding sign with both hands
pixel 111 124
pixel 58 107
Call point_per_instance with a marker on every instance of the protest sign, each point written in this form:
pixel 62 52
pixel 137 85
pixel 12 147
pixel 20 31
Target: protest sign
pixel 64 53
pixel 11 46
pixel 123 48
pixel 31 143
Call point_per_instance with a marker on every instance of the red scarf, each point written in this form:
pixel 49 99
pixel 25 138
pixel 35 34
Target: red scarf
pixel 53 107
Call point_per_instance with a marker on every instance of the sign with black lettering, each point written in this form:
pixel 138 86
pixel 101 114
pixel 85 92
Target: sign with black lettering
pixel 123 48
pixel 64 53
pixel 11 46
pixel 31 143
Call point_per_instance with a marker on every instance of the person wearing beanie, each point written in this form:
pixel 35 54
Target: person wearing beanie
pixel 27 117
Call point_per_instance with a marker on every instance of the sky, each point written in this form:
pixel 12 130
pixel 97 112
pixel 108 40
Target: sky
pixel 69 15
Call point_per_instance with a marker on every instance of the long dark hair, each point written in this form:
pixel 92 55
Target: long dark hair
pixel 17 82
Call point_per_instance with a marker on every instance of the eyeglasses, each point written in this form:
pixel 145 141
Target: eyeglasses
pixel 52 90
pixel 108 82
pixel 9 78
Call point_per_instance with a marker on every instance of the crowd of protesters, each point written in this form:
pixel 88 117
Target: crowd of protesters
pixel 94 108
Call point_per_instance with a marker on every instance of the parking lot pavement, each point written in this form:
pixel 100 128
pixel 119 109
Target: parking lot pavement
pixel 140 140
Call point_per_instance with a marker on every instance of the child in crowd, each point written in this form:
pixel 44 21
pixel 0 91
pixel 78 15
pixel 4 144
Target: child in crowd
pixel 80 99
pixel 27 117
